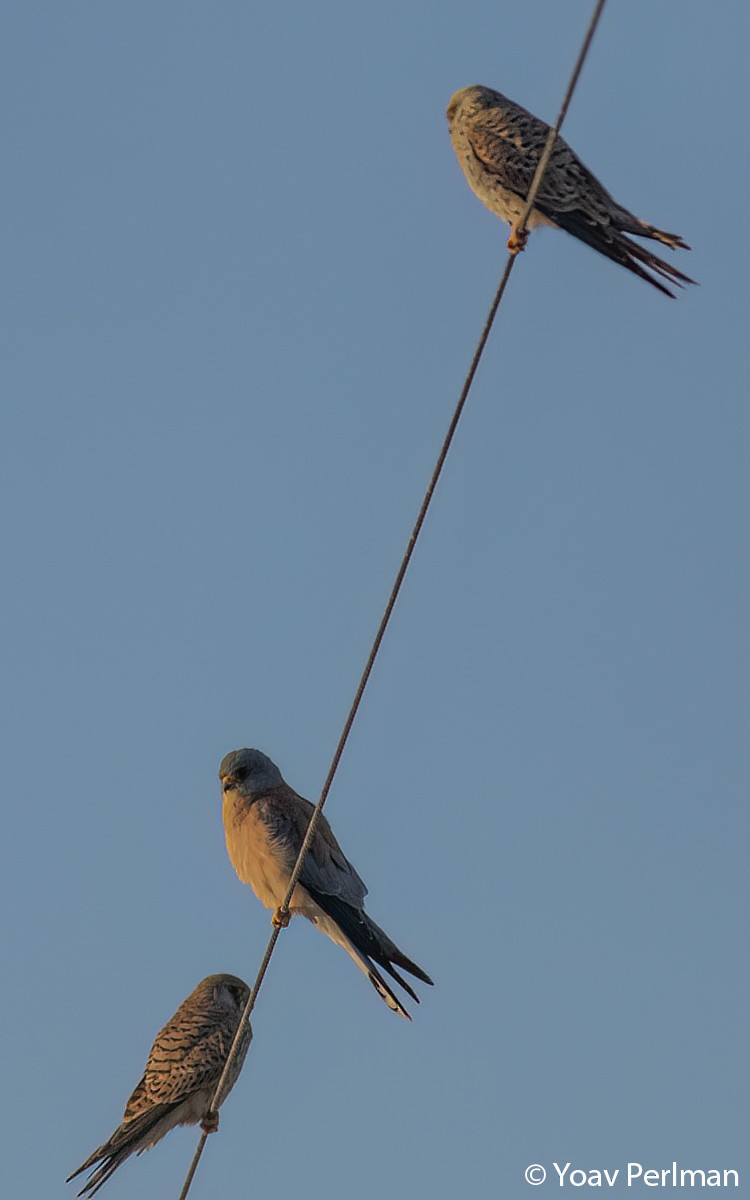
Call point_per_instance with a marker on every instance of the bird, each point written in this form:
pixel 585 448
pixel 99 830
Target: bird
pixel 265 822
pixel 183 1069
pixel 498 145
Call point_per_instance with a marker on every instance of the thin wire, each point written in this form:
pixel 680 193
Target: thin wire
pixel 555 129
pixel 284 908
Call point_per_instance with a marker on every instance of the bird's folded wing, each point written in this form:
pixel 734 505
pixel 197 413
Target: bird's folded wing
pixel 326 868
pixel 514 168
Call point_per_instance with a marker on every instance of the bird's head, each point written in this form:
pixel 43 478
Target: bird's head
pixel 469 100
pixel 228 991
pixel 231 990
pixel 248 772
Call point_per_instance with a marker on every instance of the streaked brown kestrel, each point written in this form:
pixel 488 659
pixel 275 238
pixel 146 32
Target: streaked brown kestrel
pixel 183 1069
pixel 498 144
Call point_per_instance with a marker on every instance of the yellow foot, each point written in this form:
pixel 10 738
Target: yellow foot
pixel 210 1122
pixel 517 241
pixel 280 919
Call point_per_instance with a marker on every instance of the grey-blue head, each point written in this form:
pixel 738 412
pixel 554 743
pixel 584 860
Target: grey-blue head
pixel 251 772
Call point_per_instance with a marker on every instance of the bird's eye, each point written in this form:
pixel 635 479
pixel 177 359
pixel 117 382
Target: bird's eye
pixel 242 773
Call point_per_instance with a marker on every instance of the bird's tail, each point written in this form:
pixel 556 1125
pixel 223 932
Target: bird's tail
pixel 132 1136
pixel 611 242
pixel 630 254
pixel 633 224
pixel 381 987
pixel 368 944
pixel 386 952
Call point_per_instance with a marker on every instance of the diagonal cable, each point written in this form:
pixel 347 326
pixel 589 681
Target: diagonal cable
pixel 284 909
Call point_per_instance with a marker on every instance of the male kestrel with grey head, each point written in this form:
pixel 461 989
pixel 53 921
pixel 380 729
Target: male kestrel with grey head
pixel 265 822
pixel 183 1069
pixel 498 144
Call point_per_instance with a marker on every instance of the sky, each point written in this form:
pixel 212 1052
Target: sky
pixel 243 278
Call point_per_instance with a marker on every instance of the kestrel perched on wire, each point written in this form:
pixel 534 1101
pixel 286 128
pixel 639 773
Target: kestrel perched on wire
pixel 265 823
pixel 498 144
pixel 183 1069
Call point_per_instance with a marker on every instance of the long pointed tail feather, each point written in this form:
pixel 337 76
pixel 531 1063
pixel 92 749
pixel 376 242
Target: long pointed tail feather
pixel 129 1139
pixel 613 244
pixel 386 993
pixel 385 952
pixel 643 229
pixel 371 945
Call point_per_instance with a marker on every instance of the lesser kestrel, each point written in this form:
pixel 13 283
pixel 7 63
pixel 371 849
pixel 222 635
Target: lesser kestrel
pixel 498 144
pixel 183 1069
pixel 264 823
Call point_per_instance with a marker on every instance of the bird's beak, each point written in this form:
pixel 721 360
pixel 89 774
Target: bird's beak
pixel 227 783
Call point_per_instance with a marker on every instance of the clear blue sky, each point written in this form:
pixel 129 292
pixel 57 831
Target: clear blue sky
pixel 242 281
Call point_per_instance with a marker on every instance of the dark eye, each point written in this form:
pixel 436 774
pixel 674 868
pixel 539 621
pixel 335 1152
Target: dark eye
pixel 242 773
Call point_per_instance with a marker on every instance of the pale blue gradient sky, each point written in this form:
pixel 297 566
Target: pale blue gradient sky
pixel 243 279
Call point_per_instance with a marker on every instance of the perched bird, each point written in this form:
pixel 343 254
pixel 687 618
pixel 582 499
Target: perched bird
pixel 183 1069
pixel 265 823
pixel 498 144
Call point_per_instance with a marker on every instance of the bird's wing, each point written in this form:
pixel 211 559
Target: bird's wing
pixel 502 156
pixel 511 150
pixel 569 186
pixel 326 868
pixel 187 1055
